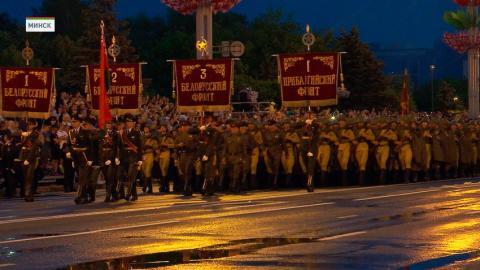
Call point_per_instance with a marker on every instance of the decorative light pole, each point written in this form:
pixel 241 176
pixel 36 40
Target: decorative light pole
pixel 467 40
pixel 204 10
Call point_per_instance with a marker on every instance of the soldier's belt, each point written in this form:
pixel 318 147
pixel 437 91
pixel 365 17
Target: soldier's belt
pixel 107 149
pixel 79 149
pixel 26 148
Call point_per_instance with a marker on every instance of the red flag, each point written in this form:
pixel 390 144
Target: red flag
pixel 405 99
pixel 104 114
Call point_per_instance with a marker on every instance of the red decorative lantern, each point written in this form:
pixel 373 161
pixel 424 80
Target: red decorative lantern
pixel 462 41
pixel 464 3
pixel 190 6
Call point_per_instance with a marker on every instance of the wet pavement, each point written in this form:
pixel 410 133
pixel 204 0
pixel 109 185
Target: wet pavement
pixel 416 226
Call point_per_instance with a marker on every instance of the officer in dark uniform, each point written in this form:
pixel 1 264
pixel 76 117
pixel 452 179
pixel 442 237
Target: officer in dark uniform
pixel 308 152
pixel 29 157
pixel 9 152
pixel 78 145
pixel 206 152
pixel 131 157
pixel 109 154
pixel 94 167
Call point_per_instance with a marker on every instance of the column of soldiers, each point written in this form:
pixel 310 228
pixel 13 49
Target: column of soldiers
pixel 236 155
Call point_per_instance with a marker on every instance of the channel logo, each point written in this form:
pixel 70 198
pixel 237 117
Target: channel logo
pixel 40 24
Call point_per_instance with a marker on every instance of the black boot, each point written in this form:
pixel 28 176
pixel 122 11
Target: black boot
pixel 406 176
pixel 381 177
pixel 323 178
pixel 149 185
pixel 415 176
pixel 310 187
pixel 344 178
pixel 361 178
pixel 253 181
pixel 288 180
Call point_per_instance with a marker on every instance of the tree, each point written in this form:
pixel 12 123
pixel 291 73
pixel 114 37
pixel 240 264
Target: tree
pixel 447 99
pixel 363 73
pixel 67 13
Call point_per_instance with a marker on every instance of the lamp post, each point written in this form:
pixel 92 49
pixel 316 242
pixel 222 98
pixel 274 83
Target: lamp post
pixel 432 73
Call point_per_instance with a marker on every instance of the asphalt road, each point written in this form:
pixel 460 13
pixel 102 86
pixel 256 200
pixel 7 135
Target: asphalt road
pixel 414 226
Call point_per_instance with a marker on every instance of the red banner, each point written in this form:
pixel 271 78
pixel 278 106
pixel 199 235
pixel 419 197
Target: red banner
pixel 125 89
pixel 27 92
pixel 203 85
pixel 309 79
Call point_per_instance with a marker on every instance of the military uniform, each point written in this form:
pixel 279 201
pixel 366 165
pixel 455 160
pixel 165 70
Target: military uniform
pixel 9 151
pixel 405 154
pixel 273 141
pixel 206 152
pixel 308 152
pixel 325 144
pixel 149 145
pixel 345 138
pixel 289 153
pixel 78 145
pixel 256 134
pixel 109 156
pixel 131 155
pixel 365 138
pixel 251 145
pixel 165 147
pixel 29 159
pixel 185 153
pixel 233 155
pixel 385 139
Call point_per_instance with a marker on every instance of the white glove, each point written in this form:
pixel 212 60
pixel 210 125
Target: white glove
pixel 26 163
pixel 308 121
pixel 140 163
pixel 204 158
pixel 117 161
pixel 203 128
pixel 310 154
pixel 68 155
pixel 89 163
pixel 144 158
pixel 108 162
pixel 73 165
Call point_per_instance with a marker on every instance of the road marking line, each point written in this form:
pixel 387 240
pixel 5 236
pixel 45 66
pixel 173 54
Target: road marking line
pixel 341 236
pixel 252 205
pixel 7 265
pixel 274 209
pixel 345 217
pixel 396 195
pixel 89 232
pixel 7 217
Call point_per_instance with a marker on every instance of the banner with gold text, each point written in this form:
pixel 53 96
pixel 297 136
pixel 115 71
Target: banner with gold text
pixel 125 91
pixel 26 91
pixel 203 85
pixel 309 79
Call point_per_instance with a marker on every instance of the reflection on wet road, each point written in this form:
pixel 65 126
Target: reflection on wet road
pixel 416 226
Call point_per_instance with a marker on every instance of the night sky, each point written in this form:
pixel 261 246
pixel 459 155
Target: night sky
pixel 392 23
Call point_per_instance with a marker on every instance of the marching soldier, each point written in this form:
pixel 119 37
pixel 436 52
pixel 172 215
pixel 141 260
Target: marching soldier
pixel 345 139
pixel 29 157
pixel 9 152
pixel 94 166
pixel 308 152
pixel 325 143
pixel 131 157
pixel 234 152
pixel 365 138
pixel 427 137
pixel 419 151
pixel 405 154
pixel 273 139
pixel 109 157
pixel 251 145
pixel 256 134
pixel 149 145
pixel 78 144
pixel 207 154
pixel 438 156
pixel 165 145
pixel 386 136
pixel 449 140
pixel 185 153
pixel 289 152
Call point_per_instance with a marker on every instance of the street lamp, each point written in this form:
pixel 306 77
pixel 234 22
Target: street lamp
pixel 432 73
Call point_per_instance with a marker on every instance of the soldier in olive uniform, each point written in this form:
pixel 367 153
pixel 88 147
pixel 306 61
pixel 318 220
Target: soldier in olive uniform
pixel 405 154
pixel 233 155
pixel 345 138
pixel 289 152
pixel 385 139
pixel 273 141
pixel 165 145
pixel 149 145
pixel 185 147
pixel 251 144
pixel 419 151
pixel 256 134
pixel 325 144
pixel 365 138
pixel 131 157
